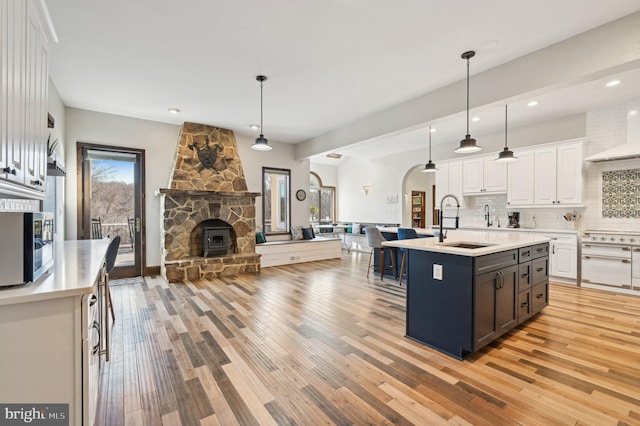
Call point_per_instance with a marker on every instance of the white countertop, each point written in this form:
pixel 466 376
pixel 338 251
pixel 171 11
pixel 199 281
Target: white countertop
pixel 502 229
pixel 497 242
pixel 76 267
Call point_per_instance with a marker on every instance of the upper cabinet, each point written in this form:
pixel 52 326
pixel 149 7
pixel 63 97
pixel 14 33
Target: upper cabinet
pixel 23 100
pixel 483 175
pixel 449 181
pixel 558 175
pixel 547 176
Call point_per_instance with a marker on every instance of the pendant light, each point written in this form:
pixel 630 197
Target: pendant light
pixel 261 143
pixel 506 155
pixel 468 144
pixel 429 167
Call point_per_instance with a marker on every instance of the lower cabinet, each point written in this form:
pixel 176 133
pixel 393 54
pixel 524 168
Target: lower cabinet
pixel 495 304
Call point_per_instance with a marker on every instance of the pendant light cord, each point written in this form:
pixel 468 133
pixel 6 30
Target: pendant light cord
pixel 261 131
pixel 429 143
pixel 505 126
pixel 467 96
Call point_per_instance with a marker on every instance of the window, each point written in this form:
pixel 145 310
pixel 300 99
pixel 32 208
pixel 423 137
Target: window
pixel 276 200
pixel 322 205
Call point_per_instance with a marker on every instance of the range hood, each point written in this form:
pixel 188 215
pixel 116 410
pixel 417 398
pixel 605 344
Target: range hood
pixel 630 149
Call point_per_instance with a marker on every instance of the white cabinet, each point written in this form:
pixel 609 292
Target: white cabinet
pixel 520 180
pixel 558 175
pixel 563 256
pixel 482 175
pixel 449 181
pixel 23 98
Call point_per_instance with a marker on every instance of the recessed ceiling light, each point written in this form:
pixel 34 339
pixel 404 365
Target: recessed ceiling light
pixel 255 126
pixel 475 119
pixel 613 83
pixel 174 110
pixel 334 155
pixel 532 103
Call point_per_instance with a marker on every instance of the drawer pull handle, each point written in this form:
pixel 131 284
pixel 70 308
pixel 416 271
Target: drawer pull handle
pixel 626 261
pixel 93 300
pixel 522 305
pixel 539 269
pixel 626 248
pixel 526 253
pixel 524 275
pixel 540 296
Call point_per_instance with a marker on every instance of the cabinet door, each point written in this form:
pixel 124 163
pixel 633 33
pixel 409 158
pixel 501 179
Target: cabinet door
pixel 520 178
pixel 455 180
pixel 495 175
pixel 544 188
pixel 569 174
pixel 473 176
pixel 564 260
pixel 442 182
pixel 494 304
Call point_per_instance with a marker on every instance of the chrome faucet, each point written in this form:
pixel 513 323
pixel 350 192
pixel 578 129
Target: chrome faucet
pixel 487 214
pixel 442 217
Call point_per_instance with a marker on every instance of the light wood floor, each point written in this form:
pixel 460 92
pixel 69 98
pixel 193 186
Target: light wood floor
pixel 318 343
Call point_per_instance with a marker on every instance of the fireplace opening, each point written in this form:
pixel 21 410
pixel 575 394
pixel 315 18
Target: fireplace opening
pixel 212 237
pixel 215 240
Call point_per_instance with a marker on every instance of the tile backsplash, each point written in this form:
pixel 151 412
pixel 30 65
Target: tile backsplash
pixel 620 189
pixel 18 205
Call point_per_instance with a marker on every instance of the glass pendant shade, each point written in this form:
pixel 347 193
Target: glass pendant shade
pixel 261 143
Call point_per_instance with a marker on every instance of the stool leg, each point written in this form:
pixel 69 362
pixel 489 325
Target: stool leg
pixel 381 264
pixel 369 267
pixel 404 255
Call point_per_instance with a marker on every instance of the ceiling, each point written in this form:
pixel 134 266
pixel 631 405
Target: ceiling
pixel 328 63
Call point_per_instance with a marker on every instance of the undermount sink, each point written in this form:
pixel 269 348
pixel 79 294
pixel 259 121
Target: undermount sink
pixel 466 245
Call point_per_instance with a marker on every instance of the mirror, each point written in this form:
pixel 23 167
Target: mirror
pixel 276 200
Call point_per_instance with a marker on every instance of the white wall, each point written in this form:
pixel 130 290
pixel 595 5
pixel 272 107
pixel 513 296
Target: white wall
pixel 417 180
pixel 159 140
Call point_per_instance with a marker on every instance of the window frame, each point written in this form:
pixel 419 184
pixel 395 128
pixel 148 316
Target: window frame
pixel 287 208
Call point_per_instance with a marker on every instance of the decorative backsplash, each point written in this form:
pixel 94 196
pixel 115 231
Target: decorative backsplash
pixel 621 193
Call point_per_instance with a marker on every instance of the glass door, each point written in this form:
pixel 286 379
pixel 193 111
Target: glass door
pixel 111 202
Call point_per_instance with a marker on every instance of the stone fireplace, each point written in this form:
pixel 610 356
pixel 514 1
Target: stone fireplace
pixel 207 190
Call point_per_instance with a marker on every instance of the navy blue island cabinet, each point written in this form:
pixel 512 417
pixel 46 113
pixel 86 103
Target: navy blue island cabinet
pixel 457 304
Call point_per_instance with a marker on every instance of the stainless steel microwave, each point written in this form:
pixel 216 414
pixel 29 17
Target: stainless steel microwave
pixel 26 251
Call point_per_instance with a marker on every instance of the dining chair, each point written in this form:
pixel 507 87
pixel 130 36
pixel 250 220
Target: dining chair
pixel 405 234
pixel 109 263
pixel 96 228
pixel 375 239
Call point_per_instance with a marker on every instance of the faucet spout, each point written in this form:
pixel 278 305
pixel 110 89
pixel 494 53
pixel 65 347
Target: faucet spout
pixel 487 214
pixel 442 217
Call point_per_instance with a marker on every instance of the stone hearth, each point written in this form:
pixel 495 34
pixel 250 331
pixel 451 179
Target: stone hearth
pixel 207 183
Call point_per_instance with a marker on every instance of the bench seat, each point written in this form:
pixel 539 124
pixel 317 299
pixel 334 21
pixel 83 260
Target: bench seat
pixel 275 253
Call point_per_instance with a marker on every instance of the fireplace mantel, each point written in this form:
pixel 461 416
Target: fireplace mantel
pixel 201 193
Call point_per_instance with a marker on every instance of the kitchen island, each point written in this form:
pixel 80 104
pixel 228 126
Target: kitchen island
pixel 469 290
pixel 52 333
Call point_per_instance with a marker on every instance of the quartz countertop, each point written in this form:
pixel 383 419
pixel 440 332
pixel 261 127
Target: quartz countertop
pixel 76 267
pixel 495 241
pixel 521 229
pixel 421 231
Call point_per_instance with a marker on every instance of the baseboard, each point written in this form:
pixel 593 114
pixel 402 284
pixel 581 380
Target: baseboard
pixel 151 270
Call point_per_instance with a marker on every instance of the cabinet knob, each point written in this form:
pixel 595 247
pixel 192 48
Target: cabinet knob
pixel 9 170
pixel 36 182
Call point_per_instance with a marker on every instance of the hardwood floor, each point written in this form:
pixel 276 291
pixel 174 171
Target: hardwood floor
pixel 318 343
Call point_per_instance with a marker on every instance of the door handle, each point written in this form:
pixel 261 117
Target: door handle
pixel 137 224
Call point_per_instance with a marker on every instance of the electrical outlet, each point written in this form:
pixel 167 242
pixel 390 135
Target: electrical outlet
pixel 437 272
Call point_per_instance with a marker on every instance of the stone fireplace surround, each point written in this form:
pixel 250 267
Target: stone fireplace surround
pixel 207 184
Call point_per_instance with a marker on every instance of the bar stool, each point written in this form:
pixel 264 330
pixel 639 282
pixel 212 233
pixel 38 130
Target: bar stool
pixel 375 239
pixel 405 234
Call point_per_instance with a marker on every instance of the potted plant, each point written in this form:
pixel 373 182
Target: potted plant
pixel 51 149
pixel 313 210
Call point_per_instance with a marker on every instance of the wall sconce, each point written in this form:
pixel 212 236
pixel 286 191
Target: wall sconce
pixel 366 189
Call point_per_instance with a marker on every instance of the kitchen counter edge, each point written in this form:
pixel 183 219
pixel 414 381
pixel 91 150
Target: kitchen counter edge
pixel 76 267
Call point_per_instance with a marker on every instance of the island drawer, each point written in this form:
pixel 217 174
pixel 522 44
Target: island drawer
pixel 540 270
pixel 493 262
pixel 524 306
pixel 539 296
pixel 524 276
pixel 533 252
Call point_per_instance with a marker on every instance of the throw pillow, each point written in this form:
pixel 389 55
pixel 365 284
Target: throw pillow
pixel 307 234
pixel 296 232
pixel 260 237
